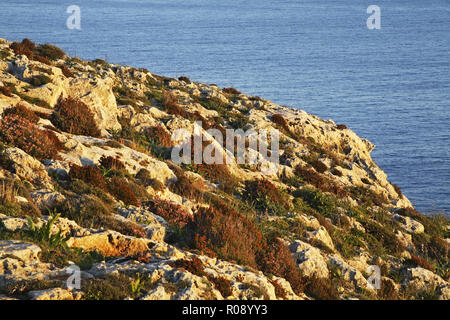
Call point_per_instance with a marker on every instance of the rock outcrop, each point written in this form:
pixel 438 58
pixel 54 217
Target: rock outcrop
pixel 114 210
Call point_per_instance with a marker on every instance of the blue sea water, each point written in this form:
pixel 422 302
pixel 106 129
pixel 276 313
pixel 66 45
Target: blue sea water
pixel 391 86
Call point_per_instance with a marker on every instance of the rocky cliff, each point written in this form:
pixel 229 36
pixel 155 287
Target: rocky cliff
pixel 93 207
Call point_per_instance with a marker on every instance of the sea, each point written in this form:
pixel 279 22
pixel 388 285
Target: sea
pixel 390 84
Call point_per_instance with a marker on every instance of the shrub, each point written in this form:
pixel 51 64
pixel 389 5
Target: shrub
pixel 276 258
pixel 170 104
pixel 23 112
pixel 40 80
pixel 281 121
pixel 321 183
pixel 317 200
pixel 160 136
pixel 194 266
pixel 42 60
pixel 20 132
pixel 185 186
pixel 23 48
pixel 5 91
pixel 366 196
pixel 50 51
pixel 321 289
pixel 112 287
pixel 223 285
pixel 218 173
pixel 120 189
pixel 387 291
pixel 341 127
pixel 91 212
pixel 75 117
pixel 66 71
pixel 319 166
pixel 231 91
pixel 145 178
pixel 226 234
pixel 89 174
pixel 184 79
pixel 174 213
pixel 111 163
pixel 265 197
pixel 417 261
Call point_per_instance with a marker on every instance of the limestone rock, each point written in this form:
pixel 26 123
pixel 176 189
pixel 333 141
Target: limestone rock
pixel 309 260
pixel 321 235
pixel 28 168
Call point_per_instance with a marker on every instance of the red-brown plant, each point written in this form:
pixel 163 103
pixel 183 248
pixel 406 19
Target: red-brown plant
pixel 24 134
pixel 120 189
pixel 74 116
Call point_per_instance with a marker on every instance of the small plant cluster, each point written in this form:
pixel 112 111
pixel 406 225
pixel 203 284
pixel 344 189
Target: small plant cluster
pixel 174 213
pixel 116 186
pixel 73 116
pixel 265 197
pixel 42 53
pixel 196 267
pixel 218 173
pixel 232 91
pixel 281 121
pixel 186 186
pixel 5 91
pixel 312 177
pixel 18 128
pixel 160 136
pixel 111 163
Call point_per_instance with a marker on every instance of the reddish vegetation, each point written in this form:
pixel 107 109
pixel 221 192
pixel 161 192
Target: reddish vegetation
pixel 26 48
pixel 185 79
pixel 88 174
pixel 5 91
pixel 319 166
pixel 111 163
pixel 264 195
pixel 417 261
pixel 194 266
pixel 73 116
pixel 341 127
pixel 231 91
pixel 225 234
pixel 281 121
pixel 42 53
pixel 120 189
pixel 66 71
pixel 321 183
pixel 218 173
pixel 170 211
pixel 223 285
pixel 277 259
pixel 159 135
pixel 170 103
pixel 22 112
pixel 22 133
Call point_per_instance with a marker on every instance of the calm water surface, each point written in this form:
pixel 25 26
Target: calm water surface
pixel 391 86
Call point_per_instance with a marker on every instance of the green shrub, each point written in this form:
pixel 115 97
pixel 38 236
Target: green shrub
pixel 265 197
pixel 40 80
pixel 50 51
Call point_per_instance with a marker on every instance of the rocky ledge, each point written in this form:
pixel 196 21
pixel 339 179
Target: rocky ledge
pixel 92 207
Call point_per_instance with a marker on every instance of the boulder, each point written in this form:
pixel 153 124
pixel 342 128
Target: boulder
pixel 309 260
